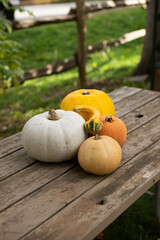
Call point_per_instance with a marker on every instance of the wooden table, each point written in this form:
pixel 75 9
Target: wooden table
pixel 61 201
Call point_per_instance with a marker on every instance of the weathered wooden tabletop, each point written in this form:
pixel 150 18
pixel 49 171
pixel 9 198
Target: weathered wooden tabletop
pixel 61 201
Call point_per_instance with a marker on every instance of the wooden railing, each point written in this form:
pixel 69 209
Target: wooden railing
pixel 79 14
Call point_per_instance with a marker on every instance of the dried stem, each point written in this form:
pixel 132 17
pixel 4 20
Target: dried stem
pixel 52 115
pixel 109 118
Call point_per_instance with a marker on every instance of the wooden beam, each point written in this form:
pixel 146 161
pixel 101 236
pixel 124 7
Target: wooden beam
pixel 140 78
pixel 81 57
pixel 111 4
pixel 69 63
pixel 128 37
pixel 156 84
pixel 42 21
pixel 56 67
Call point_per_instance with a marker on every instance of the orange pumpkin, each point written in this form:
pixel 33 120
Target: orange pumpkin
pixel 114 127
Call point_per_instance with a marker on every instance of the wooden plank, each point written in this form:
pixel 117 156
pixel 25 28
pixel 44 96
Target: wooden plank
pixel 41 204
pixel 142 115
pixel 13 190
pixel 135 101
pixel 110 4
pixel 14 162
pixel 34 2
pixel 123 92
pixel 105 11
pixel 42 21
pixel 57 67
pixel 33 210
pixel 139 78
pixel 81 29
pixel 128 37
pixel 156 81
pixel 141 138
pixel 96 209
pixel 30 179
pixel 10 144
pixel 13 143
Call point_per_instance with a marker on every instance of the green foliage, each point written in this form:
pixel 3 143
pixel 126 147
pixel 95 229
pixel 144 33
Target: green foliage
pixel 10 55
pixel 47 43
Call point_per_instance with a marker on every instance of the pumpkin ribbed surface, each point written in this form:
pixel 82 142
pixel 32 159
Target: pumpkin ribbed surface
pixel 55 140
pixel 90 97
pixel 115 128
pixel 101 156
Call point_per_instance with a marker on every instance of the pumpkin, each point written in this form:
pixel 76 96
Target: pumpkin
pixel 115 128
pixel 91 116
pixel 90 97
pixel 53 136
pixel 99 155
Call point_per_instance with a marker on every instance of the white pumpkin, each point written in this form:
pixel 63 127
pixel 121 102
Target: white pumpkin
pixel 53 136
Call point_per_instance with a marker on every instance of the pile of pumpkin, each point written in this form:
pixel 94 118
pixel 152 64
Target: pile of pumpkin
pixel 85 125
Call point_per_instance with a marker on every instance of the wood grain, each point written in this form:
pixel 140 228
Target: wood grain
pixel 40 205
pixel 98 207
pixel 81 30
pixel 141 115
pixel 30 179
pixel 26 23
pixel 131 103
pixel 10 144
pixel 19 185
pixel 14 162
pixel 123 92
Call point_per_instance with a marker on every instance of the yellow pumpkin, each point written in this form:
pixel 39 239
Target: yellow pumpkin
pixel 99 155
pixel 91 97
pixel 91 116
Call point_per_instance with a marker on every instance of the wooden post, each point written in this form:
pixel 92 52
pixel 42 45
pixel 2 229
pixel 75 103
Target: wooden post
pixel 81 58
pixel 156 84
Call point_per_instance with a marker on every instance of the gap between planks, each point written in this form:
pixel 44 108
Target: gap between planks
pixel 94 216
pixel 128 132
pixel 46 174
pixel 147 141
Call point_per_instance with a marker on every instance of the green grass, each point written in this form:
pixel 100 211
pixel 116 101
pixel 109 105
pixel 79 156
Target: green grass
pixel 45 44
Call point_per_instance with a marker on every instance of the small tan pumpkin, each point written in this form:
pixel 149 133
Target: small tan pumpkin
pixel 115 128
pixel 99 155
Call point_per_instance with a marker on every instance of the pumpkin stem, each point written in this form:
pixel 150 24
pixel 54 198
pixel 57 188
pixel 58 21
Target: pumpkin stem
pixel 52 115
pixel 85 93
pixel 97 137
pixel 109 118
